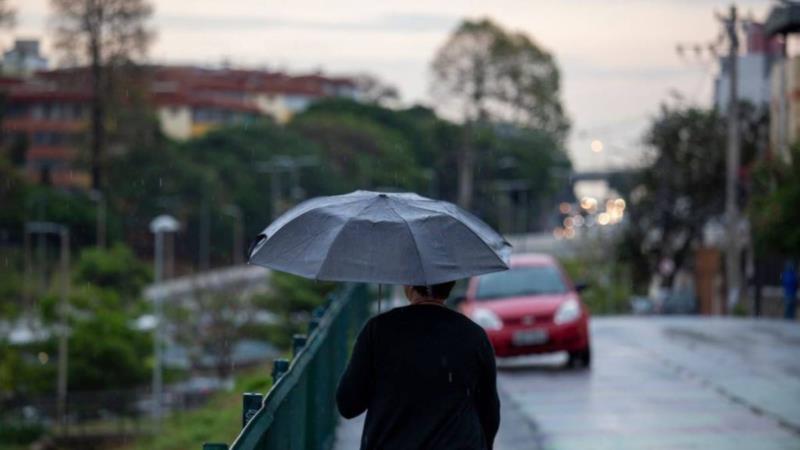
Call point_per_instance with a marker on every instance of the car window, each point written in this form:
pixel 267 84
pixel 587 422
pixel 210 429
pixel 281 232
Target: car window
pixel 519 281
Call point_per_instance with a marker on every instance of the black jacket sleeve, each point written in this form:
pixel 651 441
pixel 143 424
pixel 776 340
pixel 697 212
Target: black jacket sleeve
pixel 488 402
pixel 356 385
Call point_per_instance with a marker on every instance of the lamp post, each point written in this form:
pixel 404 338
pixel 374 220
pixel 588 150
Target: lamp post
pixel 159 226
pixel 43 228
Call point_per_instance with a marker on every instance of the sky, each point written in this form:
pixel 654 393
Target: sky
pixel 618 58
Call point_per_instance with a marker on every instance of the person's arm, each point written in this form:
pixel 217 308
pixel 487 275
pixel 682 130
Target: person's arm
pixel 488 401
pixel 355 386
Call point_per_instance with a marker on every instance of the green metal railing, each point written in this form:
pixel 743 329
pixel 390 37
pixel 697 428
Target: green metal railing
pixel 299 412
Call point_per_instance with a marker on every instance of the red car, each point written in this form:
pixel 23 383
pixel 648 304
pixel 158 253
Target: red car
pixel 531 308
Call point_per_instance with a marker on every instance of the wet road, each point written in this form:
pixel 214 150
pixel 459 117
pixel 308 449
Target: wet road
pixel 667 383
pixel 656 383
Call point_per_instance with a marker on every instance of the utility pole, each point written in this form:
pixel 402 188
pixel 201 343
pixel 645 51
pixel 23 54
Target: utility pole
pixel 732 264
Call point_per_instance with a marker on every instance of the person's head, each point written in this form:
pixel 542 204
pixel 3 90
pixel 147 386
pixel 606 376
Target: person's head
pixel 437 292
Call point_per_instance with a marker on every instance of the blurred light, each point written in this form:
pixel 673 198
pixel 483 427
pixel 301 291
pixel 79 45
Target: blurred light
pixel 569 311
pixel 603 219
pixel 578 221
pixel 619 203
pixel 565 208
pixel 570 233
pixel 588 203
pixel 487 319
pixel 43 357
pixel 590 221
pixel 597 146
pixel 558 233
pixel 568 223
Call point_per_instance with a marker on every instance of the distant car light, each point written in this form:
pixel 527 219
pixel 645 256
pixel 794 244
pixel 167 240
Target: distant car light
pixel 487 319
pixel 569 311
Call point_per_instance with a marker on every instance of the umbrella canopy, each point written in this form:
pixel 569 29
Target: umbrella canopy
pixel 380 238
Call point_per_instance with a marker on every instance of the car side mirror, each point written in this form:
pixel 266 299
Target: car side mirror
pixel 582 286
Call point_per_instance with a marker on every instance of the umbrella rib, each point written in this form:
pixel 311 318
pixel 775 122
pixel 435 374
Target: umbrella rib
pixel 459 221
pixel 301 214
pixel 335 238
pixel 413 238
pixel 457 218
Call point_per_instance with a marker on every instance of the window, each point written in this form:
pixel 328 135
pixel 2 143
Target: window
pixel 519 281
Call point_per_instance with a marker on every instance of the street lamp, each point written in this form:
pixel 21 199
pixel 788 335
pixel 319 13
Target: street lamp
pixel 159 226
pixel 43 228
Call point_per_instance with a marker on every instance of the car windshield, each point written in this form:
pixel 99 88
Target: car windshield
pixel 518 281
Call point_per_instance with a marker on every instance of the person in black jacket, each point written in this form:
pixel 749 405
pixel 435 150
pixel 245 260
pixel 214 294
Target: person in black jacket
pixel 426 376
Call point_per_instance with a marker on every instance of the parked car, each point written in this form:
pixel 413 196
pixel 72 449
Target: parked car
pixel 531 308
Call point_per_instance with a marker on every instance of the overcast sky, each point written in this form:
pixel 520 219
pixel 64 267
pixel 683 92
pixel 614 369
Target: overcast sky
pixel 617 57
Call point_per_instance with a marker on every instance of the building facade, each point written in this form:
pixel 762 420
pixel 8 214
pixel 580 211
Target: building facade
pixel 48 112
pixel 24 58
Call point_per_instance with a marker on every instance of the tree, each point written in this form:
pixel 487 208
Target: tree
pixel 360 153
pixel 105 351
pixel 773 212
pixel 522 171
pixel 681 189
pixel 373 90
pixel 115 268
pixel 105 34
pixel 292 299
pixel 486 74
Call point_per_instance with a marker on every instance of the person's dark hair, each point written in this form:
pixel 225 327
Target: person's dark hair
pixel 438 291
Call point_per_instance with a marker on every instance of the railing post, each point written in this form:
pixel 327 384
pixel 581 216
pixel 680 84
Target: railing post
pixel 313 324
pixel 298 342
pixel 214 446
pixel 279 367
pixel 251 403
pixel 316 318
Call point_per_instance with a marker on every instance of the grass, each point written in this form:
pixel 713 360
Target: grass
pixel 218 421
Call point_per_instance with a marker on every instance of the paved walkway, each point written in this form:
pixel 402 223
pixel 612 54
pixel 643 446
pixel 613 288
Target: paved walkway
pixel 656 383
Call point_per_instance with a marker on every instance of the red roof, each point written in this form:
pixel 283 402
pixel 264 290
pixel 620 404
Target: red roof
pixel 182 85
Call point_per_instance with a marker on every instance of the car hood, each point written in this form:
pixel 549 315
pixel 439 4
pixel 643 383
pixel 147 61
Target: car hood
pixel 513 307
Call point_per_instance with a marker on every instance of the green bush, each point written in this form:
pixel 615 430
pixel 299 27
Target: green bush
pixel 115 268
pixel 608 289
pixel 19 433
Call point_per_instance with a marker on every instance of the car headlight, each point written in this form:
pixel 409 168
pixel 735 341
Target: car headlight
pixel 487 319
pixel 569 311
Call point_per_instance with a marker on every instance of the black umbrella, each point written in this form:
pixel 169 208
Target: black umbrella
pixel 380 238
